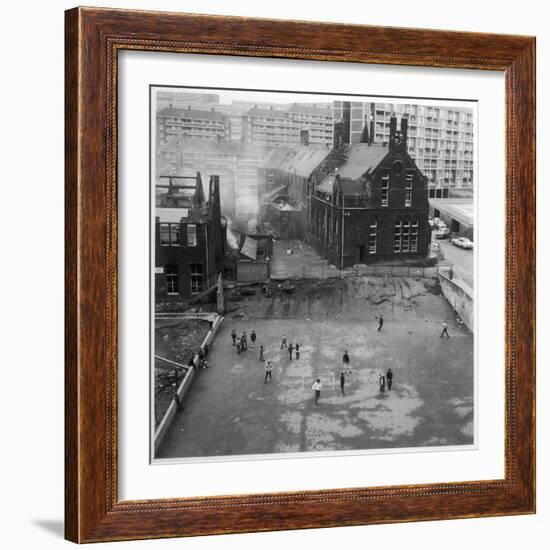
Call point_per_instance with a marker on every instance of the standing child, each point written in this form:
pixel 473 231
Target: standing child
pixel 380 322
pixel 253 338
pixel 268 370
pixel 297 350
pixel 283 342
pixel 233 336
pixel 261 353
pixel 317 389
pixel 290 349
pixel 444 331
pixel 389 378
pixel 346 361
pixel 342 382
pixel 382 381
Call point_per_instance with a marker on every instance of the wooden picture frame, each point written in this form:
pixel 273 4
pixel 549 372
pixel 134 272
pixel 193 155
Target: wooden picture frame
pixel 93 39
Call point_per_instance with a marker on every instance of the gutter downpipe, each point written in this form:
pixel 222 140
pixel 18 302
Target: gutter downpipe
pixel 207 255
pixel 343 222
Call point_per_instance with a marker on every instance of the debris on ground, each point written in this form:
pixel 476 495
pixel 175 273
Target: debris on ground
pixel 175 340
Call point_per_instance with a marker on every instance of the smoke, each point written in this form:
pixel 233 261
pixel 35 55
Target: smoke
pixel 232 240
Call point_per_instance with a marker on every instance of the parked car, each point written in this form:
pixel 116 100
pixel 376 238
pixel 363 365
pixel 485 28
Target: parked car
pixel 443 233
pixel 463 242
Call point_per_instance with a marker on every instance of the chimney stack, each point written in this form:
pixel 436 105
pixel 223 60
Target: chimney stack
pixel 404 129
pixel 365 137
pixel 371 130
pixel 393 132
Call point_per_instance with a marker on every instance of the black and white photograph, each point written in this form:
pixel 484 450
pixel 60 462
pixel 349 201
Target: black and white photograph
pixel 312 273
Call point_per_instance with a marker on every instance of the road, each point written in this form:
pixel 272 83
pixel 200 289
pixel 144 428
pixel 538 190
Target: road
pixel 463 260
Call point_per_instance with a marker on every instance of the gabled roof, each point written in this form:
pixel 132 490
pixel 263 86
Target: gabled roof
pixel 171 112
pixel 327 184
pixel 359 158
pixel 362 157
pixel 300 159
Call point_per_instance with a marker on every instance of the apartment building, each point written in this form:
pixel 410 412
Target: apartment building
pixel 272 127
pixel 207 124
pixel 441 139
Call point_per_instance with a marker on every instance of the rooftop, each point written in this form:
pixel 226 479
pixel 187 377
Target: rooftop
pixel 461 210
pixel 300 159
pixel 266 112
pixel 348 186
pixel 172 112
pixel 318 110
pixel 362 157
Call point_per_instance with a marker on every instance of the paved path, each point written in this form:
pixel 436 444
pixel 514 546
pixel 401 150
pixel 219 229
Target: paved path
pixel 304 261
pixel 230 411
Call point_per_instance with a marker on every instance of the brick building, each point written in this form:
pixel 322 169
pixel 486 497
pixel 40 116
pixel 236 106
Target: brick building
pixel 368 202
pixel 190 238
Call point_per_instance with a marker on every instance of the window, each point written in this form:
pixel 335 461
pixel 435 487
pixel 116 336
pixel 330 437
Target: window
pixel 385 189
pixel 164 234
pixel 191 234
pixel 172 279
pixel 196 278
pixel 174 234
pixel 414 236
pixel 397 235
pixel 405 241
pixel 408 188
pixel 373 231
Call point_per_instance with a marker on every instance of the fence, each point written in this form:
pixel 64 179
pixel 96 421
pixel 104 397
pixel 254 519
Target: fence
pixel 325 271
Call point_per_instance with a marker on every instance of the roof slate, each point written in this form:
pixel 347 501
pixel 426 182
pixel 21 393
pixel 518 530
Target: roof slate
pixel 300 159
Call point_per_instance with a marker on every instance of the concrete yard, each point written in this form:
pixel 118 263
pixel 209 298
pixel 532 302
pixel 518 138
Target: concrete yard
pixel 230 411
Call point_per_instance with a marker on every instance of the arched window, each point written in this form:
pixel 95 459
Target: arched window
pixel 385 188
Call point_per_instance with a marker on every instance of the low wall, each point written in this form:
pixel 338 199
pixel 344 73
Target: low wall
pixel 460 296
pixel 184 386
